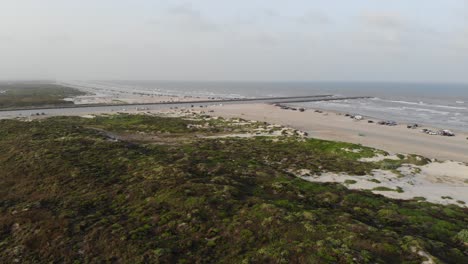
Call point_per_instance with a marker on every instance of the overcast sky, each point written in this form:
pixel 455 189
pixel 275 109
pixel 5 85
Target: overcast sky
pixel 366 40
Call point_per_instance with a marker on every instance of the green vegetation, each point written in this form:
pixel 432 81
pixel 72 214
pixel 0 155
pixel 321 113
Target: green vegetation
pixel 33 94
pixel 463 236
pixel 383 189
pixel 391 164
pixel 386 189
pixel 374 180
pixel 342 149
pixel 72 193
pixel 349 182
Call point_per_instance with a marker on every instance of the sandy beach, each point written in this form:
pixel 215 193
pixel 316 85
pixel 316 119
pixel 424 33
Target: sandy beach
pixel 337 127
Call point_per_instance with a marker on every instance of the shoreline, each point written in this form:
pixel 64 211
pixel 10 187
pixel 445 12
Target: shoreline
pixel 421 124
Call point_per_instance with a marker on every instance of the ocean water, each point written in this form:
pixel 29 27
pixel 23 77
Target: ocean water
pixel 439 105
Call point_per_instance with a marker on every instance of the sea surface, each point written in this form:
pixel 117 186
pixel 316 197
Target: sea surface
pixel 440 105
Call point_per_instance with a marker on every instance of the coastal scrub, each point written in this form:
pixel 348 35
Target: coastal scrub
pixel 72 193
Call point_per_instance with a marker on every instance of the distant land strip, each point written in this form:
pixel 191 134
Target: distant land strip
pixel 271 100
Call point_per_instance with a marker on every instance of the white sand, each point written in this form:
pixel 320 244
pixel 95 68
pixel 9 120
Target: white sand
pixel 454 173
pixel 380 158
pixel 444 183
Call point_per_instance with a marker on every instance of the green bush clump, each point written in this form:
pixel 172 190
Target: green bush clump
pixel 383 189
pixel 463 236
pixel 347 182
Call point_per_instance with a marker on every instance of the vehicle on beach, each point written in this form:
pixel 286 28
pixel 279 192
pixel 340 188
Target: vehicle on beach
pixel 355 117
pixel 387 123
pixel 38 114
pixel 429 132
pixel 445 132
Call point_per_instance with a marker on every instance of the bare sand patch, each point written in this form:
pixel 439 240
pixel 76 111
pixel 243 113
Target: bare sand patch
pixel 448 171
pixel 443 183
pixel 380 157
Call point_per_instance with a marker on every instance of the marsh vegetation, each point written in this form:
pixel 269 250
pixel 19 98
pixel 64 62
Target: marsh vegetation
pixel 34 94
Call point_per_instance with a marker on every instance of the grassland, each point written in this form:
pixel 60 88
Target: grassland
pixel 34 94
pixel 77 190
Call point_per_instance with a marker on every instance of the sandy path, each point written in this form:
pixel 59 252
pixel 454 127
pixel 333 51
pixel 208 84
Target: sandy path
pixel 332 126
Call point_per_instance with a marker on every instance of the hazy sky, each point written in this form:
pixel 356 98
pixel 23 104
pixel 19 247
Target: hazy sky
pixel 397 40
